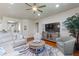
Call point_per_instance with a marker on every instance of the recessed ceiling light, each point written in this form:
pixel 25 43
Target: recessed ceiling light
pixel 38 14
pixel 57 5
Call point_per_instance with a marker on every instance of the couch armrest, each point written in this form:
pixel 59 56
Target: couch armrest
pixel 58 40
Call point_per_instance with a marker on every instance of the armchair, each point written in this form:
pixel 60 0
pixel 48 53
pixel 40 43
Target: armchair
pixel 66 45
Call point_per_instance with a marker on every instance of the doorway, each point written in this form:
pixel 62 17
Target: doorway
pixel 37 27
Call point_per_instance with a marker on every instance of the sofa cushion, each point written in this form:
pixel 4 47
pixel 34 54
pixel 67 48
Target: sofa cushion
pixel 60 43
pixel 19 42
pixel 64 39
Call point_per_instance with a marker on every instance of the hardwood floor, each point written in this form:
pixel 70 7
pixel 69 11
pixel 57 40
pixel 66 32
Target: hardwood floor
pixel 76 53
pixel 53 44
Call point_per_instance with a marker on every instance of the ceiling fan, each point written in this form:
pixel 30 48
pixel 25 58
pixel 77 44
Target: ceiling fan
pixel 35 8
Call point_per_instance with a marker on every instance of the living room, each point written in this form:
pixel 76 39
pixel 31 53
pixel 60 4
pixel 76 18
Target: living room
pixel 39 24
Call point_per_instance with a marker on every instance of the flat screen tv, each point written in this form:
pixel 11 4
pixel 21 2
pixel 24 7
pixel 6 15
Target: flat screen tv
pixel 52 27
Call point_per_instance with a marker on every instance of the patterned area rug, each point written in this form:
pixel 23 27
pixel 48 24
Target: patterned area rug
pixel 48 51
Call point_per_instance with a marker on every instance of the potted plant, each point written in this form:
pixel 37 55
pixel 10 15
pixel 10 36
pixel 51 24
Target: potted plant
pixel 72 24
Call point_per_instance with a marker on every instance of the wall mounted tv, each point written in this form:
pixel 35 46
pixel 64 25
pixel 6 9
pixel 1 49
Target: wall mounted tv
pixel 52 27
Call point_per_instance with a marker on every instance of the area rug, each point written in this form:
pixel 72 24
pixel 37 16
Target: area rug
pixel 48 51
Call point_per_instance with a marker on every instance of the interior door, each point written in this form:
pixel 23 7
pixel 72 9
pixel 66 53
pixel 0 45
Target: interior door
pixel 37 27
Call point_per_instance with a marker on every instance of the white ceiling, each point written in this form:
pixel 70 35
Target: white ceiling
pixel 18 10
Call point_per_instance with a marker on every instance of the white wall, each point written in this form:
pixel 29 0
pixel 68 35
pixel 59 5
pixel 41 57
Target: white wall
pixel 58 18
pixel 31 23
pixel 29 26
pixel 3 22
pixel 23 22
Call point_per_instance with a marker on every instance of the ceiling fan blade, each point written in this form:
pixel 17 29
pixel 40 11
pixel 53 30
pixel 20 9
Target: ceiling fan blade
pixel 28 4
pixel 40 10
pixel 34 4
pixel 42 6
pixel 29 9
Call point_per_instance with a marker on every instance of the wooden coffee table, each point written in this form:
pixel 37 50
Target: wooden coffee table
pixel 36 47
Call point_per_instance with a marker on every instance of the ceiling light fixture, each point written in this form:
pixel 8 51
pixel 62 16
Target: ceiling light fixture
pixel 34 8
pixel 57 5
pixel 38 14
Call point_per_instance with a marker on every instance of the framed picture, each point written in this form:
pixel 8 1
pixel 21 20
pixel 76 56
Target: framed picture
pixel 25 27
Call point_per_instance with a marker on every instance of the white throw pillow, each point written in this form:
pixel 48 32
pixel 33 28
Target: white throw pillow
pixel 37 36
pixel 2 51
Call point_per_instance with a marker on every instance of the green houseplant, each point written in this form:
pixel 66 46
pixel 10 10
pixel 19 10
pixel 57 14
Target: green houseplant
pixel 72 24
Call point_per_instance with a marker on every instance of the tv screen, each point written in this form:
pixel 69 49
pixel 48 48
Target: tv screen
pixel 52 27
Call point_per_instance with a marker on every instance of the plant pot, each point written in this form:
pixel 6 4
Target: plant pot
pixel 76 46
